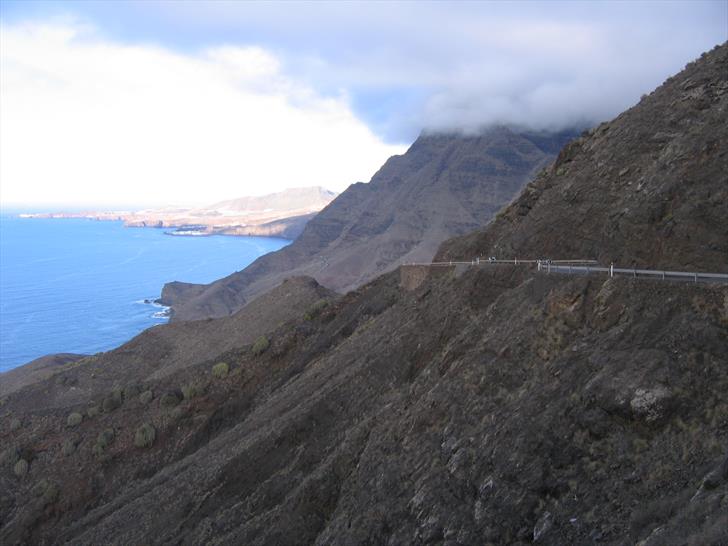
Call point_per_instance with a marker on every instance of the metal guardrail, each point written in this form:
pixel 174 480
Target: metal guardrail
pixel 588 267
pixel 612 271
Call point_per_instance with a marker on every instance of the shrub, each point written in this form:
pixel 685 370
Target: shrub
pixel 132 390
pixel 260 345
pixel 169 399
pixel 21 468
pixel 93 411
pixel 47 491
pixel 146 397
pixel 145 435
pixel 221 369
pixel 10 456
pixel 103 440
pixel 177 414
pixel 112 401
pixel 15 424
pixel 194 389
pixel 68 447
pixel 74 419
pixel 316 309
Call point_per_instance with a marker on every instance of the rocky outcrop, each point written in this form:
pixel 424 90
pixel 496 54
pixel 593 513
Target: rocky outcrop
pixel 444 185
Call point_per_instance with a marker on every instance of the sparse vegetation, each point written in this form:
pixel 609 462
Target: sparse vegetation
pixel 93 411
pixel 146 397
pixel 145 435
pixel 193 389
pixel 221 370
pixel 132 390
pixel 68 447
pixel 45 490
pixel 260 346
pixel 112 401
pixel 15 424
pixel 74 419
pixel 103 441
pixel 21 468
pixel 10 456
pixel 314 311
pixel 169 399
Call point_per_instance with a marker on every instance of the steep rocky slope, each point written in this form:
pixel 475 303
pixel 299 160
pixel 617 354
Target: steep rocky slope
pixel 482 405
pixel 649 188
pixel 443 186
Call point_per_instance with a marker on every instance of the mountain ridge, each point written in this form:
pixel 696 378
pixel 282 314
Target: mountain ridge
pixel 442 186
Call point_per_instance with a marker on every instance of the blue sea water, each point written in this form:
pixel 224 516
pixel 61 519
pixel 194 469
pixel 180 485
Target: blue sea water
pixel 78 286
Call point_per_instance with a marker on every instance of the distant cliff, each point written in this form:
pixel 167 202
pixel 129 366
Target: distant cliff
pixel 444 185
pixel 282 214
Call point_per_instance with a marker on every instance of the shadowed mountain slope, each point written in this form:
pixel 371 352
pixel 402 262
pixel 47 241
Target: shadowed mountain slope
pixel 484 405
pixel 443 186
pixel 648 189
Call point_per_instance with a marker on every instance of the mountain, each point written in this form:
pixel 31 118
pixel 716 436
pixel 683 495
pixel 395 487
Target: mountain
pixel 489 404
pixel 444 185
pixel 300 200
pixel 282 214
pixel 648 189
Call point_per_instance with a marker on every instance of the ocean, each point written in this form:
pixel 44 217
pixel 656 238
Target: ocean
pixel 78 286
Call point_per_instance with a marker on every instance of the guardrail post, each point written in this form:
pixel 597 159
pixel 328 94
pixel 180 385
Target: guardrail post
pixel 611 269
pixel 696 277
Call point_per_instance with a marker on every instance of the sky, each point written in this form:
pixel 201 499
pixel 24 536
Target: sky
pixel 186 103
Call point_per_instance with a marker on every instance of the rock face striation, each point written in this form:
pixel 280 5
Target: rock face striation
pixel 443 186
pixel 483 405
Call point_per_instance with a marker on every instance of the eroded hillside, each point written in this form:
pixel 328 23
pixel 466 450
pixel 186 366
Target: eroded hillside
pixel 482 405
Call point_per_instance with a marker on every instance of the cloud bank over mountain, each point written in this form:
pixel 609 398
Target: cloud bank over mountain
pixel 220 99
pixel 464 65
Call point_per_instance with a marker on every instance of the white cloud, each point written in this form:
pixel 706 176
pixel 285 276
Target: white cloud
pixel 88 121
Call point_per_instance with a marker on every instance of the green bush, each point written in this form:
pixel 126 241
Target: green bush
pixel 146 397
pixel 177 414
pixel 10 456
pixel 221 370
pixel 260 345
pixel 68 447
pixel 15 424
pixel 169 399
pixel 74 419
pixel 193 390
pixel 93 411
pixel 46 491
pixel 21 468
pixel 132 391
pixel 112 401
pixel 313 311
pixel 145 435
pixel 103 441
